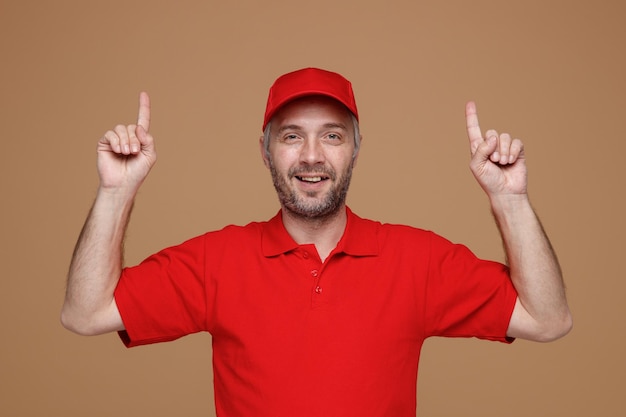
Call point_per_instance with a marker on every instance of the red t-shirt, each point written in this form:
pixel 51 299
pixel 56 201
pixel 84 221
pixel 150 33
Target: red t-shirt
pixel 293 336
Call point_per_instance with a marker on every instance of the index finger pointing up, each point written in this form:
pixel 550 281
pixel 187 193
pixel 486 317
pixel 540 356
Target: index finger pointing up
pixel 473 129
pixel 143 119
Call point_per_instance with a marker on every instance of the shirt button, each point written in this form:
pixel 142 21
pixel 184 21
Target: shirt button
pixel 305 255
pixel 315 272
pixel 318 290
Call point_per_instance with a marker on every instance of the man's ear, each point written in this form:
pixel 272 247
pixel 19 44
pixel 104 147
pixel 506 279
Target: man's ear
pixel 266 160
pixel 357 151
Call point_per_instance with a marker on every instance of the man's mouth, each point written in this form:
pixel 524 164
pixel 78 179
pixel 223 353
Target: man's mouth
pixel 311 179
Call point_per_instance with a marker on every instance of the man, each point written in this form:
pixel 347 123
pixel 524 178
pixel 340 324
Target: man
pixel 316 312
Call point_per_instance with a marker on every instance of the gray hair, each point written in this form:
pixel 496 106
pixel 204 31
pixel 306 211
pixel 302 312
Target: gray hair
pixel 355 124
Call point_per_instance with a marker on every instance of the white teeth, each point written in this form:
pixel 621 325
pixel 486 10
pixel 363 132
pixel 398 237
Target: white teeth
pixel 311 179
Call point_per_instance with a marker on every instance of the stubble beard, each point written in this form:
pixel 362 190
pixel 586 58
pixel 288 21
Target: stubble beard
pixel 309 207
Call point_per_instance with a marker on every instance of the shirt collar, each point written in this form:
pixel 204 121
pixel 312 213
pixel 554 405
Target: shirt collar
pixel 359 239
pixel 275 239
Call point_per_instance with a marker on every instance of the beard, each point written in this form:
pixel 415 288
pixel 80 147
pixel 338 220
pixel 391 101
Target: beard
pixel 309 206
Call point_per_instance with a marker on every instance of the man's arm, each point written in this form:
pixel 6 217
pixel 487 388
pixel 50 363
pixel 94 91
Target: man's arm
pixel 541 312
pixel 125 157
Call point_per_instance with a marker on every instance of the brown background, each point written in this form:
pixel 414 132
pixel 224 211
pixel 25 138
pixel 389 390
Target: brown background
pixel 552 73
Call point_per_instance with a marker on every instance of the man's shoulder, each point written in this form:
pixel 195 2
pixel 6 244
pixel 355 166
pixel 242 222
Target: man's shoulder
pixel 251 229
pixel 387 227
pixel 390 233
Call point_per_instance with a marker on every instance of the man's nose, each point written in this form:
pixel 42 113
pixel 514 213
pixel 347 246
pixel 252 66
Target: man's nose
pixel 312 152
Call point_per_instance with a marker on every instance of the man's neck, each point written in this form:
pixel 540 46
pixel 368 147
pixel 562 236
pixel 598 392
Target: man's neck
pixel 324 232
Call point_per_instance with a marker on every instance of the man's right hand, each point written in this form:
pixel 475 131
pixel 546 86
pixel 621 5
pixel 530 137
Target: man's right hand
pixel 127 153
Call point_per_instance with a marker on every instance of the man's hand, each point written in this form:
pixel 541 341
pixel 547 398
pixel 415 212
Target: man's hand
pixel 127 153
pixel 125 156
pixel 497 160
pixel 541 312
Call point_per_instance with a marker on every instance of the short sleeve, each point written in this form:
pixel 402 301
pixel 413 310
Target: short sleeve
pixel 163 298
pixel 467 296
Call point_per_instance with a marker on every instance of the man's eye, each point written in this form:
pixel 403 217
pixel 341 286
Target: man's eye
pixel 333 136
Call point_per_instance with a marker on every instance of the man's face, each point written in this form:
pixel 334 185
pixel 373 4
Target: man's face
pixel 311 156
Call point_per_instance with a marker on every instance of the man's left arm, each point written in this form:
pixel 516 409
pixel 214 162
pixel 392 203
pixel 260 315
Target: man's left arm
pixel 541 312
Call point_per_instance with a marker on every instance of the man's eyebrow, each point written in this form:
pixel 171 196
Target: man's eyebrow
pixel 289 127
pixel 335 126
pixel 329 125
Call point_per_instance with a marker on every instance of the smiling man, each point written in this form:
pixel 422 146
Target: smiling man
pixel 315 312
pixel 315 139
pixel 310 149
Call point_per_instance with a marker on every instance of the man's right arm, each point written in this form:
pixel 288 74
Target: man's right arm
pixel 125 156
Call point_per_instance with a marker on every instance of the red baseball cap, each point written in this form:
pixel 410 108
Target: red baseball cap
pixel 309 82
